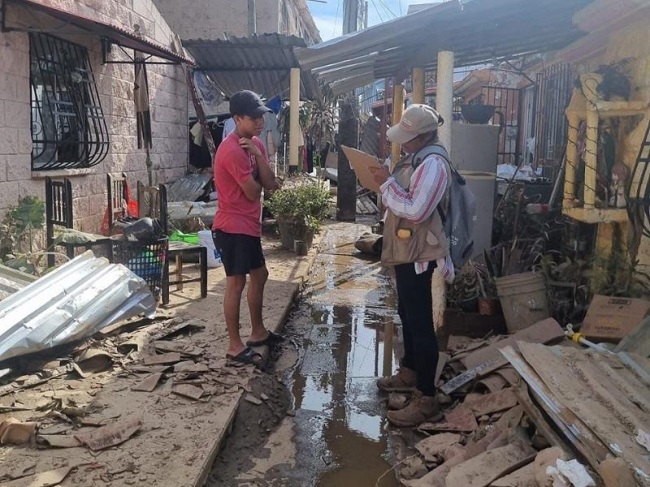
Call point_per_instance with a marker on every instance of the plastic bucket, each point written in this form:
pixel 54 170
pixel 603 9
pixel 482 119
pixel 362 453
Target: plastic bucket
pixel 205 240
pixel 523 299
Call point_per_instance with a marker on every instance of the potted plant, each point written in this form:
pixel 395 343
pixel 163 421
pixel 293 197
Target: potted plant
pixel 464 292
pixel 299 208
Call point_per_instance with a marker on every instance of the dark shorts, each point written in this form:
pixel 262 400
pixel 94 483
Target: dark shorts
pixel 240 254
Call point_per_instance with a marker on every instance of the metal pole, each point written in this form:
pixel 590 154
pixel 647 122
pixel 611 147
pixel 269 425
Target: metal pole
pixel 294 122
pixel 350 16
pixel 252 17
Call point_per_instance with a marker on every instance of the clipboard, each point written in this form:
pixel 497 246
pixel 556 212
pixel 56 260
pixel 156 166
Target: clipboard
pixel 365 166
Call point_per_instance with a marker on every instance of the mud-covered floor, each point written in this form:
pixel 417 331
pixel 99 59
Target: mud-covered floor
pixel 323 423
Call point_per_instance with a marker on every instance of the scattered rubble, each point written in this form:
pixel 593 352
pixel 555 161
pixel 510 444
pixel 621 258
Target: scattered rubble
pixel 521 413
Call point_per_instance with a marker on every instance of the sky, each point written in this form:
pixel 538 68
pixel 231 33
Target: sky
pixel 329 15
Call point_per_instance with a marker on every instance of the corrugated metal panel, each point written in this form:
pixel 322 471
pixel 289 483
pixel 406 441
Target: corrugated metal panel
pixel 112 32
pixel 72 302
pixel 259 63
pixel 12 280
pixel 477 31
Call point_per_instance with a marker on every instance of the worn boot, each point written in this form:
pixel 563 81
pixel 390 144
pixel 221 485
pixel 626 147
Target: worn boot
pixel 398 401
pixel 420 409
pixel 404 380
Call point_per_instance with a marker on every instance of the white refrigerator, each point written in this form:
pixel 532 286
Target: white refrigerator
pixel 474 153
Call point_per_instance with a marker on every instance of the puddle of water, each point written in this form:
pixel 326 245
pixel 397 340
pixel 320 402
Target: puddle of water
pixel 347 319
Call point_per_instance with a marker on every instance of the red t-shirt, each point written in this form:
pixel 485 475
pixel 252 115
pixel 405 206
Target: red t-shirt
pixel 232 166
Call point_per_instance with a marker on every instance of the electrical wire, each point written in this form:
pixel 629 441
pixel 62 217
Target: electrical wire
pixel 387 8
pixel 381 19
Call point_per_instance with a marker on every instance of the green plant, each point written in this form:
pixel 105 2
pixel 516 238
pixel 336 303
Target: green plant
pixel 17 229
pixel 467 284
pixel 301 198
pixel 617 274
pixel 317 117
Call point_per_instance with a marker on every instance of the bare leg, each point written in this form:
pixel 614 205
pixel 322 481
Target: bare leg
pixel 231 301
pixel 255 301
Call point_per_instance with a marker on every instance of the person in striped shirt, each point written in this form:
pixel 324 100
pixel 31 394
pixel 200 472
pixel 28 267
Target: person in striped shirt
pixel 415 244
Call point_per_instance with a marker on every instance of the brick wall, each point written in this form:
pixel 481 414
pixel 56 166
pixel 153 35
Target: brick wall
pixel 169 102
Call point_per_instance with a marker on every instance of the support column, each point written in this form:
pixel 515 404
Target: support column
pixel 418 85
pixel 398 109
pixel 444 105
pixel 294 124
pixel 570 168
pixel 346 192
pixel 445 96
pixel 591 151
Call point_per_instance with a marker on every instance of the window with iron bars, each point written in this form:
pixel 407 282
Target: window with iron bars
pixel 68 126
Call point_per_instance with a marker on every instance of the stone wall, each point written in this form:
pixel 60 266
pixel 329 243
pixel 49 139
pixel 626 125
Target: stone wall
pixel 168 95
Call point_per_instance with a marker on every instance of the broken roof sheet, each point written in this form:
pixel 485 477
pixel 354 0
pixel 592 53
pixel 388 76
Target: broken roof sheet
pixel 477 31
pixel 261 63
pixel 12 280
pixel 74 301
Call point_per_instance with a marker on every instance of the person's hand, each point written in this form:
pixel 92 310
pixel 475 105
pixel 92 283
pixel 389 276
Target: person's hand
pixel 381 175
pixel 247 144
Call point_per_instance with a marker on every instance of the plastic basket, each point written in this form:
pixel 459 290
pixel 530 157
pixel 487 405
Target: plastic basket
pixel 145 259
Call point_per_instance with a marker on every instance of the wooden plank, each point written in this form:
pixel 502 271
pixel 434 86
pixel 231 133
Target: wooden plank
pixel 575 431
pixel 536 416
pixel 165 358
pixel 459 419
pixel 638 341
pixel 633 364
pixel 481 470
pixel 492 403
pixel 545 331
pixel 611 417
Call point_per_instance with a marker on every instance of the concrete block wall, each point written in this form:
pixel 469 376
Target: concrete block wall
pixel 211 19
pixel 169 110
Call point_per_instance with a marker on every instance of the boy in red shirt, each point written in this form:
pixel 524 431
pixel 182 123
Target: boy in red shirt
pixel 241 173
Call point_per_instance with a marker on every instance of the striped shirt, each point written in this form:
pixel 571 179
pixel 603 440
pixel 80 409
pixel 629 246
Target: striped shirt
pixel 427 188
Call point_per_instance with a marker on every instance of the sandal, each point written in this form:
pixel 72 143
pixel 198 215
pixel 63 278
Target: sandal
pixel 269 340
pixel 248 356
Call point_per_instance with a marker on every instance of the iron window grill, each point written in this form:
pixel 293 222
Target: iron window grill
pixel 68 125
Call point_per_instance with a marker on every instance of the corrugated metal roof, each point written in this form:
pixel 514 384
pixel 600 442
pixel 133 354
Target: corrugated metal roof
pixel 12 280
pixel 259 63
pixel 111 32
pixel 74 301
pixel 477 31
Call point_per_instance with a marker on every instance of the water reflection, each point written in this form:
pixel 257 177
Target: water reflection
pixel 350 309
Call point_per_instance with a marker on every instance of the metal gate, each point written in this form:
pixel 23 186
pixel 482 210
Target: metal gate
pixel 554 89
pixel 507 102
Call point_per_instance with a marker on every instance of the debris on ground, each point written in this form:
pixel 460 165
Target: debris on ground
pixel 534 409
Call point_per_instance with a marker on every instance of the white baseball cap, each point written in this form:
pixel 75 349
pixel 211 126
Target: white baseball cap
pixel 417 119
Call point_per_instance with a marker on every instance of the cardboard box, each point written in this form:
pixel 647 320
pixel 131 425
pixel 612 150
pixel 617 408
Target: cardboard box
pixel 612 319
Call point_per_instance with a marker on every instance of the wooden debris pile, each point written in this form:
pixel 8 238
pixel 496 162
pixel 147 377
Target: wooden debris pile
pixel 521 413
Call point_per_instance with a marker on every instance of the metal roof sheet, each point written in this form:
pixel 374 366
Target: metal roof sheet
pixel 260 63
pixel 477 31
pixel 12 280
pixel 74 301
pixel 111 32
